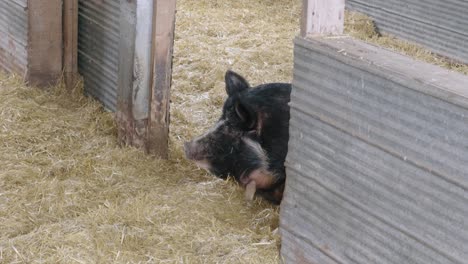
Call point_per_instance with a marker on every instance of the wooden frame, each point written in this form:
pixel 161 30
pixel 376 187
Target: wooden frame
pixel 163 42
pixel 322 17
pixel 31 36
pixel 144 85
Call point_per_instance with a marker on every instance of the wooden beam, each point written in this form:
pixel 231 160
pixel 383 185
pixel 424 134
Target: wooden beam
pixel 163 33
pixel 124 115
pixel 322 17
pixel 70 42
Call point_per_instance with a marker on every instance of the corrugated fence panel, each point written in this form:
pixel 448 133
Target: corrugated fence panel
pixel 13 36
pixel 98 48
pixel 378 158
pixel 441 26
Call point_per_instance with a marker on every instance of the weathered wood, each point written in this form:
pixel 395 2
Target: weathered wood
pixel 163 32
pixel 44 42
pixel 303 22
pixel 147 37
pixel 124 113
pixel 70 42
pixel 322 17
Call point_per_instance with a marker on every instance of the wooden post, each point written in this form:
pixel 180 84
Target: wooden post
pixel 163 33
pixel 44 42
pixel 145 72
pixel 124 114
pixel 322 17
pixel 70 42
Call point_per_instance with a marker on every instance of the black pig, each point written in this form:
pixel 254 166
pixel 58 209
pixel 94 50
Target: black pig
pixel 250 140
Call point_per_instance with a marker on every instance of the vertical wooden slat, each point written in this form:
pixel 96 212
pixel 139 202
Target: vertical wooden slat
pixel 70 42
pixel 44 42
pixel 163 32
pixel 124 114
pixel 322 17
pixel 304 17
pixel 143 106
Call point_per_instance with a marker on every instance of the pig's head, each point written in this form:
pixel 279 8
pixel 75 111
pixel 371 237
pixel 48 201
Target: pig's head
pixel 233 145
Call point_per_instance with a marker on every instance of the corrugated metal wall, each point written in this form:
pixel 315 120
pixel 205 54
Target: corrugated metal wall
pixel 98 48
pixel 441 26
pixel 378 158
pixel 13 35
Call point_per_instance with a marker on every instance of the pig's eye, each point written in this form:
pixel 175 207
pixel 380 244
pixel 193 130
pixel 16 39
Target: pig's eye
pixel 245 115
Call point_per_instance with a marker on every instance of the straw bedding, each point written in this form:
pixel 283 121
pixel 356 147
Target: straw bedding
pixel 70 194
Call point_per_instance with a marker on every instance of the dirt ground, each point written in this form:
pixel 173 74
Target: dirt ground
pixel 70 194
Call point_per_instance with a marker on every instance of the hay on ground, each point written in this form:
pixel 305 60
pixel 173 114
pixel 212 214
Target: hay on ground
pixel 69 193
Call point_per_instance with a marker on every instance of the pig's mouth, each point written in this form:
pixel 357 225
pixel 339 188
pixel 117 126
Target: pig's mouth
pixel 263 181
pixel 204 164
pixel 262 178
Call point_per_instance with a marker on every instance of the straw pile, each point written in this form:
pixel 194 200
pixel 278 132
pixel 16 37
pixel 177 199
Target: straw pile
pixel 69 194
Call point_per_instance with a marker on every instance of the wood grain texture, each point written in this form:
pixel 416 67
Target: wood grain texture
pixel 44 42
pixel 322 17
pixel 163 32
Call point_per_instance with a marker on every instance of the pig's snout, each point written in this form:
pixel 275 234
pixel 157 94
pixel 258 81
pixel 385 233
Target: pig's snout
pixel 195 152
pixel 191 150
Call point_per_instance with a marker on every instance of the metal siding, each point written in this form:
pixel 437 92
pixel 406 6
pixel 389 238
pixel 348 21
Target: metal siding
pixel 14 36
pixel 98 48
pixel 441 26
pixel 142 59
pixel 377 163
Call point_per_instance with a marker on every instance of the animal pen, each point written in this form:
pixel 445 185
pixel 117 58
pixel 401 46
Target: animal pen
pixel 378 154
pixel 122 49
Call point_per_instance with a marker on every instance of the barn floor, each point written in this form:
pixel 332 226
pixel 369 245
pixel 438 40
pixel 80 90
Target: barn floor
pixel 70 194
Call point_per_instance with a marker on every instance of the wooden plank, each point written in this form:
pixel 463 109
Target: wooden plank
pixel 144 85
pixel 143 71
pixel 44 42
pixel 70 42
pixel 163 33
pixel 322 17
pixel 124 115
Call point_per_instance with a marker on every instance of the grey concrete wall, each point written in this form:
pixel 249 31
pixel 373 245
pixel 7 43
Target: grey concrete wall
pixel 441 26
pixel 378 158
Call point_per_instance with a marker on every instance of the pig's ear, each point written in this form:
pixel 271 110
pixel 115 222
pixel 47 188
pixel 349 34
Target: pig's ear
pixel 256 129
pixel 235 83
pixel 247 116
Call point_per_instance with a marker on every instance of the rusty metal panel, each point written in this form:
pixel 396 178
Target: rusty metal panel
pixel 13 36
pixel 441 26
pixel 98 48
pixel 378 158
